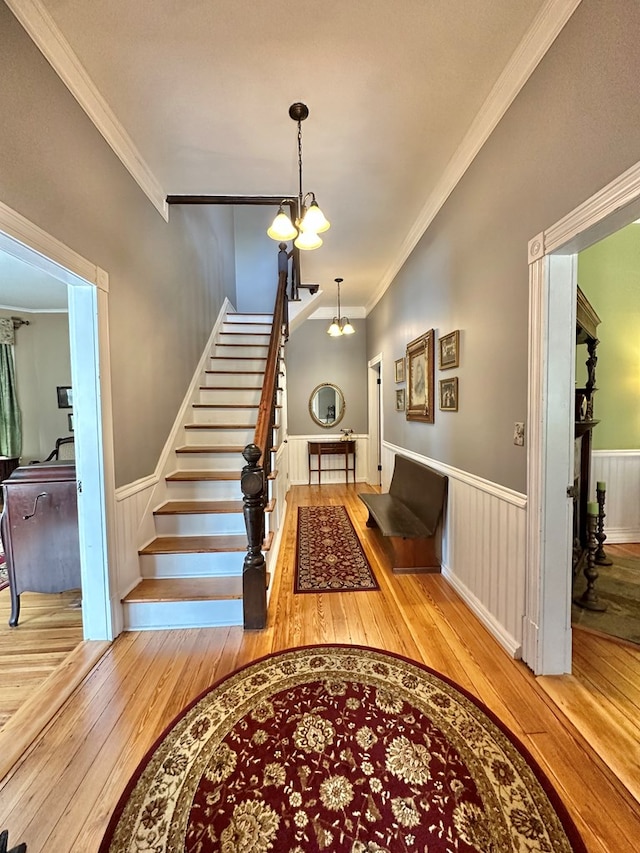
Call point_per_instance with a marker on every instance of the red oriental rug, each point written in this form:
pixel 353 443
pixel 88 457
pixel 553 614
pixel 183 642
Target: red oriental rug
pixel 329 556
pixel 343 749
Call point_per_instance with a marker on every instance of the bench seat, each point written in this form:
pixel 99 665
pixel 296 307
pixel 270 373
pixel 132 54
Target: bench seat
pixel 408 516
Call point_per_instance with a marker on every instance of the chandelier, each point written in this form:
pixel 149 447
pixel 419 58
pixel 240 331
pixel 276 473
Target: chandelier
pixel 340 325
pixel 310 220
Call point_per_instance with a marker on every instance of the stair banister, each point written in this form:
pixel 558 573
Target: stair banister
pixel 257 455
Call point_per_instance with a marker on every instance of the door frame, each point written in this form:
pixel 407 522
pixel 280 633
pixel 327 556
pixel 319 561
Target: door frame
pixel 88 294
pixel 550 422
pixel 375 412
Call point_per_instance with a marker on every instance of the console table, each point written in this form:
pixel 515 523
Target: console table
pixel 333 448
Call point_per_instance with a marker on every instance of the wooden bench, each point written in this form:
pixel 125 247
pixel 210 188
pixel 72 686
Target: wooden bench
pixel 408 516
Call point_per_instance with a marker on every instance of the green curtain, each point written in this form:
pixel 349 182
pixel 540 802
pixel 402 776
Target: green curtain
pixel 10 419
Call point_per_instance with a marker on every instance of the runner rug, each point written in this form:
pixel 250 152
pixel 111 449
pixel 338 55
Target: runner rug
pixel 329 557
pixel 343 749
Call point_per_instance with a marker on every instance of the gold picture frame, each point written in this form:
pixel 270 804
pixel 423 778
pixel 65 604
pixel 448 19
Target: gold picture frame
pixel 399 365
pixel 449 350
pixel 448 395
pixel 420 369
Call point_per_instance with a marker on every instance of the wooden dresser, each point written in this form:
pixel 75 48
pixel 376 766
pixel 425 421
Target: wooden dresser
pixel 39 529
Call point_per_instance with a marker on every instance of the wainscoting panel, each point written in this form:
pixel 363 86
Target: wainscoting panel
pixel 134 529
pixel 299 460
pixel 483 548
pixel 620 471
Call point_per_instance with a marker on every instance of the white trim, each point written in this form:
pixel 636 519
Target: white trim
pixel 44 32
pixel 90 369
pixel 501 492
pixel 604 453
pixel 131 489
pixel 536 42
pixel 552 287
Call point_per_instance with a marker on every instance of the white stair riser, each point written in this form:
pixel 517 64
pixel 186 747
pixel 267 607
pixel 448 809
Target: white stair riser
pixel 237 395
pixel 201 524
pixel 233 317
pixel 249 328
pixel 204 490
pixel 210 461
pixel 230 363
pixel 198 437
pixel 218 564
pixel 232 415
pixel 240 338
pixel 226 351
pixel 226 379
pixel 149 616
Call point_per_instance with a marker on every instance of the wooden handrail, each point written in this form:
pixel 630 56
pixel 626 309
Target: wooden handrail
pixel 257 455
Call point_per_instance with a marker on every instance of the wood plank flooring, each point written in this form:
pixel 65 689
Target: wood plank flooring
pixel 60 795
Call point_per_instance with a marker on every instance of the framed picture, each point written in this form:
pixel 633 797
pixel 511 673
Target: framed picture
pixel 70 421
pixel 449 350
pixel 399 370
pixel 65 397
pixel 449 394
pixel 420 403
pixel 400 399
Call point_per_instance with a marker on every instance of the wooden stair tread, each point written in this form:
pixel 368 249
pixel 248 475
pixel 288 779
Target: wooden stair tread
pixel 231 387
pixel 201 544
pixel 239 357
pixel 209 448
pixel 225 406
pixel 195 476
pixel 186 589
pixel 204 507
pixel 233 373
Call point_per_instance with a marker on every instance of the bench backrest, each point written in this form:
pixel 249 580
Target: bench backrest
pixel 420 488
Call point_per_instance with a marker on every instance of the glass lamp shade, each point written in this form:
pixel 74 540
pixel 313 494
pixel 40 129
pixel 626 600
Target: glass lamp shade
pixel 347 328
pixel 315 220
pixel 307 240
pixel 334 329
pixel 282 228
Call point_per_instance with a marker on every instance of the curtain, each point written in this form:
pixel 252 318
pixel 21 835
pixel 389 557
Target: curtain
pixel 10 419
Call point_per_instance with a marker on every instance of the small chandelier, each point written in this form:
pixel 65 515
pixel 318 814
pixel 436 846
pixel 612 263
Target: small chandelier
pixel 310 220
pixel 340 325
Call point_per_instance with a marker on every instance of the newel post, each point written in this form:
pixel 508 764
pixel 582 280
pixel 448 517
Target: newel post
pixel 254 572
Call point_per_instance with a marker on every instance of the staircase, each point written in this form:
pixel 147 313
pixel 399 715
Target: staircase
pixel 192 571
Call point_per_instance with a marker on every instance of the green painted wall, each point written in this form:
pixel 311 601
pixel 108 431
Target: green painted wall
pixel 609 276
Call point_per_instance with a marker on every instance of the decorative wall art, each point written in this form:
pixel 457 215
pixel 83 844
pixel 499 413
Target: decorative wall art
pixel 449 394
pixel 399 370
pixel 449 350
pixel 400 400
pixel 70 421
pixel 65 397
pixel 420 404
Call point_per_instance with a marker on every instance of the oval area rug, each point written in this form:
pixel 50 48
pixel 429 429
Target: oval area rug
pixel 338 748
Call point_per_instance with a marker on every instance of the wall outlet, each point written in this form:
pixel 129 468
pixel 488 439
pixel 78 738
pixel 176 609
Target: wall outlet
pixel 518 434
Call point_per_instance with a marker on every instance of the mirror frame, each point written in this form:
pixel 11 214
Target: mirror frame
pixel 339 416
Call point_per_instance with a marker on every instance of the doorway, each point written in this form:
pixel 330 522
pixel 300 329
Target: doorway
pixel 87 287
pixel 552 315
pixel 375 420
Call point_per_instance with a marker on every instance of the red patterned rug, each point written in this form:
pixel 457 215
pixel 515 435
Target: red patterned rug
pixel 329 555
pixel 343 749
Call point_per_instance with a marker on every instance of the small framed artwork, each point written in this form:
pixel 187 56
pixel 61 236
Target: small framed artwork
pixel 399 370
pixel 400 398
pixel 449 350
pixel 449 394
pixel 420 402
pixel 70 421
pixel 65 397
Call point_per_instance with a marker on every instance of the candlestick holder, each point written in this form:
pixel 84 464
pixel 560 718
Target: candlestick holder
pixel 601 557
pixel 589 598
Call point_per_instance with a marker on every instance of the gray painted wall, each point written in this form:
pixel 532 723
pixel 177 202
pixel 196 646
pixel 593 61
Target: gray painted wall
pixel 256 259
pixel 313 358
pixel 574 127
pixel 167 281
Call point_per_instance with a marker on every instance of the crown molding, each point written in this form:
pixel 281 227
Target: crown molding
pixel 43 31
pixel 536 42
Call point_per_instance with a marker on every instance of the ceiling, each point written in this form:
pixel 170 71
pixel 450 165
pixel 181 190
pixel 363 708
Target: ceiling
pixel 397 93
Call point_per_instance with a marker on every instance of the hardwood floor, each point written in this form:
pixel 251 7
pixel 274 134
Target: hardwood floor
pixel 60 795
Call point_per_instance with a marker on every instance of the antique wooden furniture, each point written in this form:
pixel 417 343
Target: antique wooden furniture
pixel 333 448
pixel 408 515
pixel 587 322
pixel 39 529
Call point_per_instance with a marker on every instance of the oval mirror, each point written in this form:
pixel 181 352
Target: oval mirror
pixel 326 405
